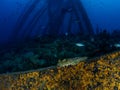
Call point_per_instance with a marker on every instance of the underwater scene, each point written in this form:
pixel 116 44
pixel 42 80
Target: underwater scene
pixel 59 45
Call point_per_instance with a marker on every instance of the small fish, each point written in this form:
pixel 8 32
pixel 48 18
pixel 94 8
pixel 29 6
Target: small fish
pixel 66 34
pixel 117 45
pixel 80 44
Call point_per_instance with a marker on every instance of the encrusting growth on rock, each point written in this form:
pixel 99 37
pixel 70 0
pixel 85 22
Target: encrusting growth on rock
pixel 102 73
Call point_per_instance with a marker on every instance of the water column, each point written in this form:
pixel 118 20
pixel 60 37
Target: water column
pixel 55 16
pixel 29 18
pixel 46 17
pixel 85 27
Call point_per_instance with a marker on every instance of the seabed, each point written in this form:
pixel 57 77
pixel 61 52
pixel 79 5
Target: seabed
pixel 63 64
pixel 102 73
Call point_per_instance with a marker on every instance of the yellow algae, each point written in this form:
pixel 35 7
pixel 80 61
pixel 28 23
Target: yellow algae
pixel 102 73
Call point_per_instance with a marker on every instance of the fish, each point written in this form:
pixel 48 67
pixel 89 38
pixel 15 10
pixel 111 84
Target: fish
pixel 117 45
pixel 80 44
pixel 71 61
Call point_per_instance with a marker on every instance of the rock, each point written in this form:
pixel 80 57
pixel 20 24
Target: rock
pixel 28 54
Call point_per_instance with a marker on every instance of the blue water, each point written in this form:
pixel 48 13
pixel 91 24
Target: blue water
pixel 105 13
pixel 67 24
pixel 102 13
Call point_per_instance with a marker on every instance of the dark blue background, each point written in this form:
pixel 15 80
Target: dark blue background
pixel 102 13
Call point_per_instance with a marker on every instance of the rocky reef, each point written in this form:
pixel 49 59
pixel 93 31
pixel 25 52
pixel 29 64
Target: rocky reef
pixel 102 73
pixel 47 51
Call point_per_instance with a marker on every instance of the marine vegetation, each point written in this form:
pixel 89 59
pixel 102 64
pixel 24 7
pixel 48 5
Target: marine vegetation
pixel 47 51
pixel 102 73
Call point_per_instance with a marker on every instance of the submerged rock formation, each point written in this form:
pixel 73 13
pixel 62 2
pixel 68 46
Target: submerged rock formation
pixel 102 73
